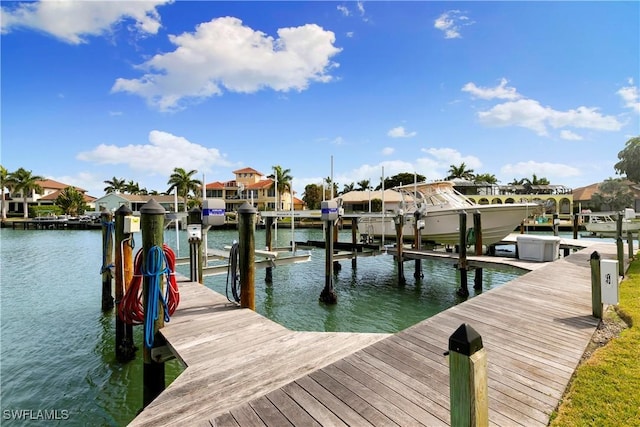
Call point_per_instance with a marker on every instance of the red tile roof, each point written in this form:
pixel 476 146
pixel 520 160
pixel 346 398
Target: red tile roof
pixel 248 170
pixel 55 185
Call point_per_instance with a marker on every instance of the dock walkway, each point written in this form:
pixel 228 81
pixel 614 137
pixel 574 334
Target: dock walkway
pixel 245 370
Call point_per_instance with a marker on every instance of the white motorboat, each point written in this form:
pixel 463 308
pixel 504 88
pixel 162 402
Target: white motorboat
pixel 440 206
pixel 606 224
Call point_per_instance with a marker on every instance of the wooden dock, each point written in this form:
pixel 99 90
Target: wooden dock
pixel 243 369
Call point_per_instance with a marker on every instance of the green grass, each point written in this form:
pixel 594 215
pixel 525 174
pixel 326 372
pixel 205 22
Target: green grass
pixel 605 390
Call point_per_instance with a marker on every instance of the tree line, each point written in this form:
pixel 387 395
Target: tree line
pixel 612 192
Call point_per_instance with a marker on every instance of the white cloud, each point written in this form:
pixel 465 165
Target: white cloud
pixel 224 53
pixel 338 141
pixel 571 136
pixel 360 6
pixel 545 169
pixel 529 114
pixel 387 151
pixel 73 21
pixel 630 96
pixel 400 132
pixel 445 157
pixel 163 153
pixel 501 91
pixel 343 10
pixel 451 22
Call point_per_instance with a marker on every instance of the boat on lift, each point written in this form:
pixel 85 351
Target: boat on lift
pixel 440 205
pixel 605 224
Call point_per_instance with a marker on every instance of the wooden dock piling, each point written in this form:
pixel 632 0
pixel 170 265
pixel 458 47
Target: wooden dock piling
pixel 125 347
pixel 152 224
pixel 246 258
pixel 469 393
pixel 107 260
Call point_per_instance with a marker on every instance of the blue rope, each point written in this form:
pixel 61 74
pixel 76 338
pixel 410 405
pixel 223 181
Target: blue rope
pixel 154 267
pixel 106 243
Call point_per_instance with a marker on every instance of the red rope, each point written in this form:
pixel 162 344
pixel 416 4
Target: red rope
pixel 131 308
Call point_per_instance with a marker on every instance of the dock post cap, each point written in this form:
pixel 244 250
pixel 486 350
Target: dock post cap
pixel 465 340
pixel 124 210
pixel 595 255
pixel 246 208
pixel 152 207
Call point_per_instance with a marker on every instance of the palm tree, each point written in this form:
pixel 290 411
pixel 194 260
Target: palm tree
pixel 348 187
pixel 365 184
pixel 23 181
pixel 283 178
pixel 71 201
pixel 132 187
pixel 460 172
pixel 115 185
pixel 529 183
pixel 486 177
pixel 184 183
pixel 4 178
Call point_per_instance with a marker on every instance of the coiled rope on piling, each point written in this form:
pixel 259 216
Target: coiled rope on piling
pixel 158 262
pixel 233 274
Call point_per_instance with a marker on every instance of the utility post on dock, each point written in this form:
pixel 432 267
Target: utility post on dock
pixel 399 221
pixel 246 255
pixel 125 226
pixel 194 229
pixel 477 232
pixel 468 389
pixel 417 239
pixel 329 214
pixel 462 256
pixel 152 224
pixel 354 242
pixel 107 259
pixel 556 224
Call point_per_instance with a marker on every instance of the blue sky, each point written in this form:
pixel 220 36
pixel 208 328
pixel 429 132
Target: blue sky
pixel 95 90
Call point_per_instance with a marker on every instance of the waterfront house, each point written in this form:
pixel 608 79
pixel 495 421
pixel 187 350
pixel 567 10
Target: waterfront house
pixel 50 190
pixel 252 186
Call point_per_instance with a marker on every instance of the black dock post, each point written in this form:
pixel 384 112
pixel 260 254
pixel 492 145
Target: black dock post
pixel 107 259
pixel 596 291
pixel 125 347
pixel 330 216
pixel 477 231
pixel 462 256
pixel 399 221
pixel 268 223
pixel 152 224
pixel 619 245
pixel 419 225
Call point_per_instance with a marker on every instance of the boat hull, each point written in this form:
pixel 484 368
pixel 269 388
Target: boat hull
pixel 611 228
pixel 443 226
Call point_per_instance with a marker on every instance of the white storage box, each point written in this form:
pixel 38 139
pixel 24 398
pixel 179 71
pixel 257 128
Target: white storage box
pixel 538 248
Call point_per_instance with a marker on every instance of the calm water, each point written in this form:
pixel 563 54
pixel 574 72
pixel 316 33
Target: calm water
pixel 56 344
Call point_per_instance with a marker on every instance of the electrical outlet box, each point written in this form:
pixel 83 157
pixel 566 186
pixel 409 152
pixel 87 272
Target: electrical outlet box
pixel 609 281
pixel 213 212
pixel 194 231
pixel 329 210
pixel 131 224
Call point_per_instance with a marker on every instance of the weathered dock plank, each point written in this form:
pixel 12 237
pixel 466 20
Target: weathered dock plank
pixel 535 330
